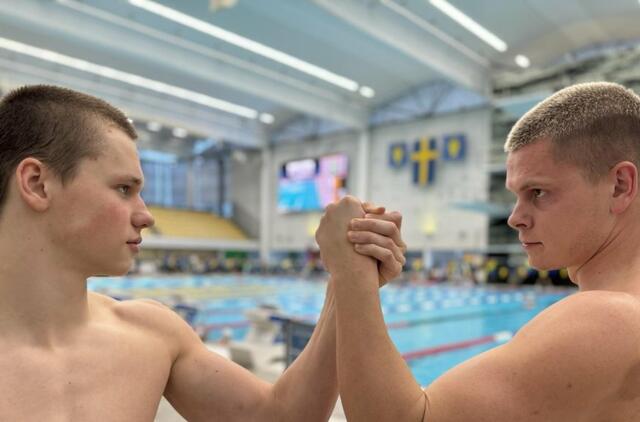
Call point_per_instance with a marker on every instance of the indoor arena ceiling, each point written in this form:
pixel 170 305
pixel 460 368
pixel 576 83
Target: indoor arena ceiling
pixel 243 70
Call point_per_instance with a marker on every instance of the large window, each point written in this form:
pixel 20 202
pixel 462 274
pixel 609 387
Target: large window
pixel 199 183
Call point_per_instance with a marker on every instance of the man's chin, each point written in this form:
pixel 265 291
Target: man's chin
pixel 540 265
pixel 118 271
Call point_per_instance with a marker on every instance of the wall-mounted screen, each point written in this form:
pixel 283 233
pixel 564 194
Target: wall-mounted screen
pixel 313 183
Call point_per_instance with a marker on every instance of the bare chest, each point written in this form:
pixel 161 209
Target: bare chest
pixel 117 382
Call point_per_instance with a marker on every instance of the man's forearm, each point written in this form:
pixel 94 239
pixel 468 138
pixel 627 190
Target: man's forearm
pixel 308 389
pixel 375 382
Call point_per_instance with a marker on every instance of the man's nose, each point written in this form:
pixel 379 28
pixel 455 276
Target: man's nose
pixel 142 218
pixel 519 219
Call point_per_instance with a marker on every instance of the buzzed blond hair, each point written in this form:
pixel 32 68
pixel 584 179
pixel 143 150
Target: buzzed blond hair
pixel 591 125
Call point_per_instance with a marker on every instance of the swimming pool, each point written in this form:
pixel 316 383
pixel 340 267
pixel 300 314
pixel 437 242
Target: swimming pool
pixel 434 326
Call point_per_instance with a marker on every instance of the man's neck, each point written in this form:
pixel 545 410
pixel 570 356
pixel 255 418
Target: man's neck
pixel 40 302
pixel 616 266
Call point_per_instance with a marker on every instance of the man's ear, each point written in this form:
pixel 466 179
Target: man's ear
pixel 33 179
pixel 624 176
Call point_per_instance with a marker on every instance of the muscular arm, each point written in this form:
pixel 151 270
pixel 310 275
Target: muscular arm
pixel 570 363
pixel 375 382
pixel 203 385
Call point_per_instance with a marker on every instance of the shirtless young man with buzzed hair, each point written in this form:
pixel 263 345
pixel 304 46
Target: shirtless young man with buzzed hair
pixel 70 208
pixel 573 166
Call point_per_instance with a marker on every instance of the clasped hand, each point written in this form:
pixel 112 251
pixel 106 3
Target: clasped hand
pixel 350 230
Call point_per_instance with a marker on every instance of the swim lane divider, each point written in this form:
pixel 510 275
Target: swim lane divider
pixel 500 337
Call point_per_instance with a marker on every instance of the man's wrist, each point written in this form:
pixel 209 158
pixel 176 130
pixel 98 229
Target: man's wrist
pixel 360 273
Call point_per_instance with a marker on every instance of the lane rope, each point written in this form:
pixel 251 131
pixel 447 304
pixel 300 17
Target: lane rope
pixel 499 337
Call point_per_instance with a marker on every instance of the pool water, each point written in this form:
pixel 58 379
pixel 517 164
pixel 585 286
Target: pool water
pixel 439 326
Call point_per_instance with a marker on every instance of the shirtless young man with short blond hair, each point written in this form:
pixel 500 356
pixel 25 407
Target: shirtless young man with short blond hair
pixel 70 208
pixel 573 166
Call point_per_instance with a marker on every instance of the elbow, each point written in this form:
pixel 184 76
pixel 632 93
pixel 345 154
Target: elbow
pixel 282 407
pixel 426 405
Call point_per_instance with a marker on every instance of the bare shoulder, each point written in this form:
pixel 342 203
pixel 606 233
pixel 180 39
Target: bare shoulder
pixel 135 311
pixel 593 310
pixel 147 316
pixel 603 300
pixel 569 363
pixel 607 324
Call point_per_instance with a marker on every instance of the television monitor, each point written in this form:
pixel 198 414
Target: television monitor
pixel 313 183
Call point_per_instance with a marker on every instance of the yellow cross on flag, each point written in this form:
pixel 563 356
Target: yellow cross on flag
pixel 424 161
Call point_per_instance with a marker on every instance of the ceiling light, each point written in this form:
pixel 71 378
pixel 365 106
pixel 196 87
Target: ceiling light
pixel 154 126
pixel 221 4
pixel 367 92
pixel 247 44
pixel 522 61
pixel 267 118
pixel 129 78
pixel 179 132
pixel 435 31
pixel 471 25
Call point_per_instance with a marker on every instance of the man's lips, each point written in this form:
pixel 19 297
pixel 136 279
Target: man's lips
pixel 135 241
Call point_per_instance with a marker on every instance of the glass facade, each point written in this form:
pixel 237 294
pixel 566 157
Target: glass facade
pixel 198 184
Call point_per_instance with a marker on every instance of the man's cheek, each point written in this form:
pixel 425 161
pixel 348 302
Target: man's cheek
pixel 113 216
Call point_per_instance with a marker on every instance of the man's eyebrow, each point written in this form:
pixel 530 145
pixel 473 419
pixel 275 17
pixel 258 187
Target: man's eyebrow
pixel 529 185
pixel 134 180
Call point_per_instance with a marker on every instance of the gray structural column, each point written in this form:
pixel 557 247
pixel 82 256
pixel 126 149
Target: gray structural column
pixel 190 187
pixel 266 200
pixel 363 160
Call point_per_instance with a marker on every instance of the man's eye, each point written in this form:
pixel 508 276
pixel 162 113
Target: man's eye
pixel 538 193
pixel 124 189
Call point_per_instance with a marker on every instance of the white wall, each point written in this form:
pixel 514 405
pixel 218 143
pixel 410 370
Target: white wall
pixel 245 191
pixel 455 182
pixel 245 180
pixel 465 181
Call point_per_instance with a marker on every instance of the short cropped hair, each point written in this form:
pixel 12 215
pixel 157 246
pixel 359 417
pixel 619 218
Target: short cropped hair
pixel 57 126
pixel 591 125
